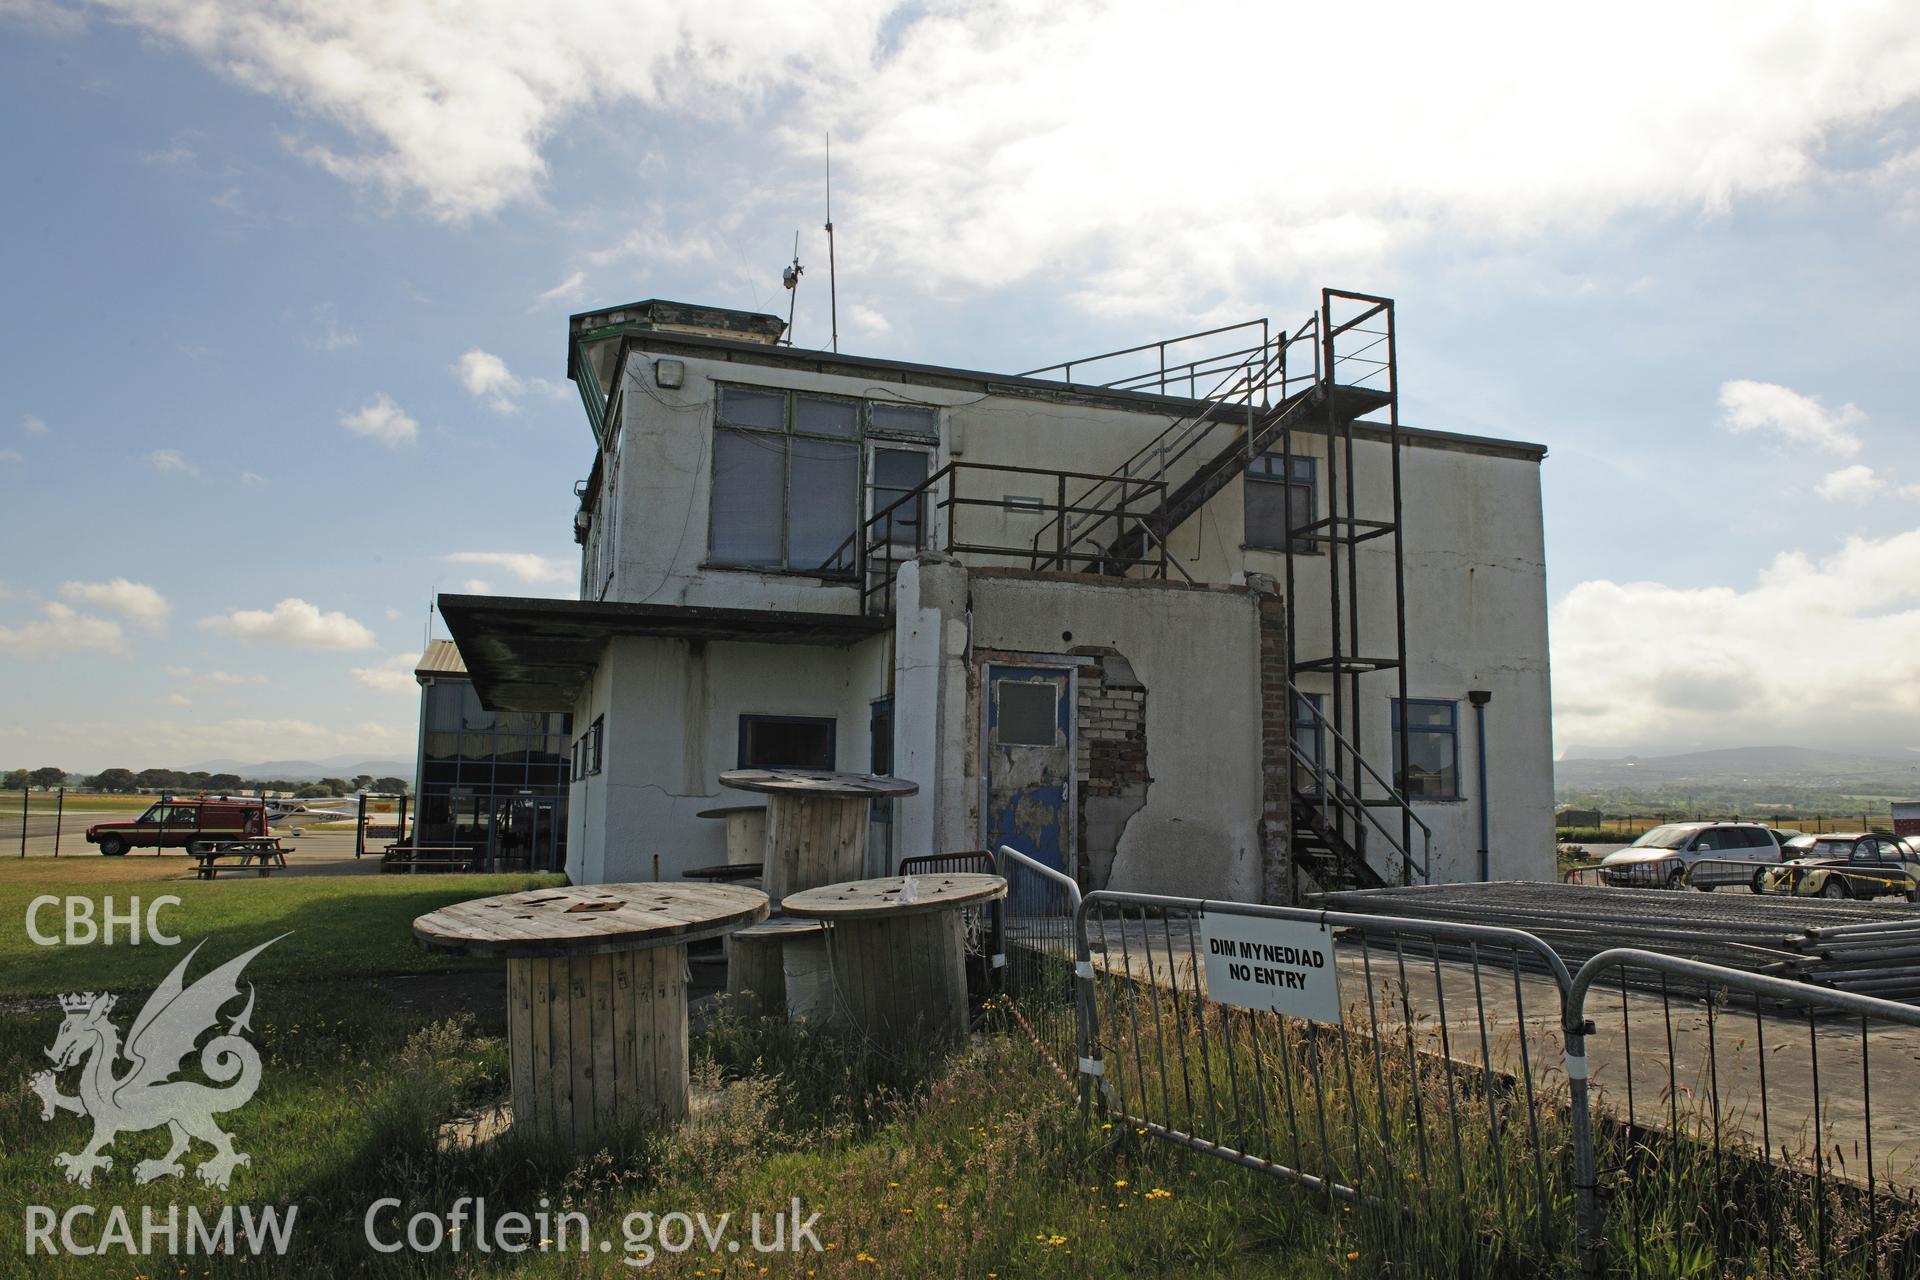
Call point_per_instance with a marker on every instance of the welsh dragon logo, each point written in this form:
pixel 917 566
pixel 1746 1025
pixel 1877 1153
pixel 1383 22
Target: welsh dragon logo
pixel 144 1095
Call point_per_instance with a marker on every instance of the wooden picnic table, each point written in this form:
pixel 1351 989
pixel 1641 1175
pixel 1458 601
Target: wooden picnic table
pixel 264 853
pixel 897 950
pixel 437 857
pixel 596 994
pixel 816 822
pixel 746 830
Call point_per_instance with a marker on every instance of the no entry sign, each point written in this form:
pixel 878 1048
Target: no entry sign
pixel 1285 966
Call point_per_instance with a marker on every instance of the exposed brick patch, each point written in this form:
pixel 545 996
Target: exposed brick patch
pixel 1279 882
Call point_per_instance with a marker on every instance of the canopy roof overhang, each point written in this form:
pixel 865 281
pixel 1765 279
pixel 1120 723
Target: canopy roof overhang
pixel 530 654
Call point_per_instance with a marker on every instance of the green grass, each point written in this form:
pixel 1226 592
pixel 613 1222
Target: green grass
pixel 338 927
pixel 977 1164
pixel 974 1166
pixel 76 801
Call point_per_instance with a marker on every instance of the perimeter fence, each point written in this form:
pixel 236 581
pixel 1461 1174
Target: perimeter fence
pixel 1479 1105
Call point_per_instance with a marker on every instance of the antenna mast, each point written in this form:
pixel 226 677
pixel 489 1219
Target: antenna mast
pixel 833 283
pixel 791 278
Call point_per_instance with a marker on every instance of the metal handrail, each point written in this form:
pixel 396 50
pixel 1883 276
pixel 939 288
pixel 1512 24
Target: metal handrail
pixel 1399 800
pixel 1010 854
pixel 1188 432
pixel 1066 366
pixel 1351 801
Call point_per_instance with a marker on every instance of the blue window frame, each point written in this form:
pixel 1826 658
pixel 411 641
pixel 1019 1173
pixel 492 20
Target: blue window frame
pixel 786 742
pixel 1432 769
pixel 1309 734
pixel 1276 501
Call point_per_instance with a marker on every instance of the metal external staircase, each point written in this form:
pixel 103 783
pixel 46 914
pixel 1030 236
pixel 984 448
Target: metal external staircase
pixel 1298 394
pixel 1291 394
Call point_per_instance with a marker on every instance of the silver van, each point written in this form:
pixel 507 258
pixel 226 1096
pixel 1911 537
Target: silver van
pixel 1704 854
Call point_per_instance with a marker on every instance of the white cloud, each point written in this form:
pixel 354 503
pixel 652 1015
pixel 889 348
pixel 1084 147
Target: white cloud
pixel 1768 406
pixel 59 631
pixel 42 15
pixel 213 677
pixel 867 321
pixel 521 564
pixel 970 137
pixel 32 426
pixel 486 377
pixel 176 700
pixel 477 587
pixel 382 420
pixel 11 455
pixel 395 675
pixel 333 338
pixel 1817 652
pixel 253 480
pixel 293 624
pixel 456 110
pixel 1849 483
pixel 171 462
pixel 136 601
pixel 568 290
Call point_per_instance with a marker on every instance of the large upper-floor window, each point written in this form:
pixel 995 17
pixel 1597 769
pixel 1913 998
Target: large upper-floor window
pixel 1432 767
pixel 787 474
pixel 1276 501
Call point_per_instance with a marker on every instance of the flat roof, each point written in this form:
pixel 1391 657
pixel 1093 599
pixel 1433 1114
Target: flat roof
pixel 931 375
pixel 528 653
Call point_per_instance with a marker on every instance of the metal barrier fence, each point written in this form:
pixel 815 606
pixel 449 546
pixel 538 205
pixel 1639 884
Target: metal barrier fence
pixel 1433 1099
pixel 1766 1118
pixel 1486 1112
pixel 1037 973
pixel 21 822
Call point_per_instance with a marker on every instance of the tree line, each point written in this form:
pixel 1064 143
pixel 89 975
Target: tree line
pixel 128 782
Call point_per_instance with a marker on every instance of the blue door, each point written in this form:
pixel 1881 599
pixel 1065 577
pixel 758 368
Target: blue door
pixel 1029 762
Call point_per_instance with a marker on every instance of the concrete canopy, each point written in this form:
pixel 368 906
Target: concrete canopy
pixel 530 654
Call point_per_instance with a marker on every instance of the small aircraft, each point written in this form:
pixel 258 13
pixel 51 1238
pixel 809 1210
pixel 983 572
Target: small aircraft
pixel 297 813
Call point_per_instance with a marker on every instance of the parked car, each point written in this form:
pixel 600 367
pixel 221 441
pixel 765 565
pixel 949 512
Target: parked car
pixel 1704 854
pixel 181 824
pixel 1857 864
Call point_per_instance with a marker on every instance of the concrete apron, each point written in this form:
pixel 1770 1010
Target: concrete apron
pixel 1728 1057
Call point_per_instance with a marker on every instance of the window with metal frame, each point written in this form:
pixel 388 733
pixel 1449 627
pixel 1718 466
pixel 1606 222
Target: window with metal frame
pixel 786 478
pixel 786 742
pixel 894 472
pixel 1274 503
pixel 1432 770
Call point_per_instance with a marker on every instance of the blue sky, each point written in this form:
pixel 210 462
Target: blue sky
pixel 287 285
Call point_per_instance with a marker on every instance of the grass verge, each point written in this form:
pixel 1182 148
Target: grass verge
pixel 342 927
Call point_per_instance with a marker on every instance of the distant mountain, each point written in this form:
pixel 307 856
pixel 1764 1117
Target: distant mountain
pixel 310 770
pixel 1803 779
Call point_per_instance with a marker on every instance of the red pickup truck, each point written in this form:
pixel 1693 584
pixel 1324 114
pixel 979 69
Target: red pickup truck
pixel 181 824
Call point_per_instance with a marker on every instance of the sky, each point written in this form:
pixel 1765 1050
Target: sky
pixel 285 283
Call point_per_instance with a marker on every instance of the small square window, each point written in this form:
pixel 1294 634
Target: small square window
pixel 903 419
pixel 815 416
pixel 758 410
pixel 1028 713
